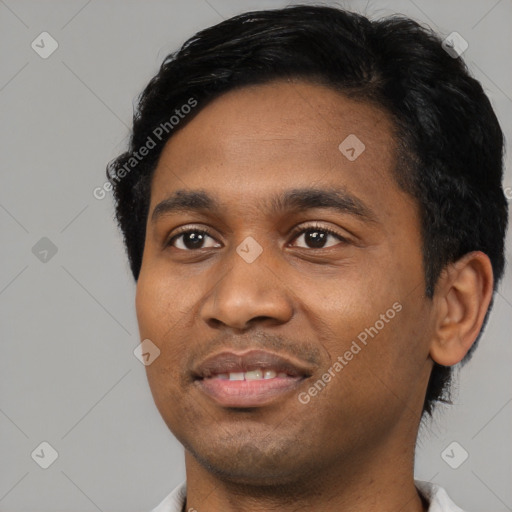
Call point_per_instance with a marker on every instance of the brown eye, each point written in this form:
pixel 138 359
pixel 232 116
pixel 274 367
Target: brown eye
pixel 317 238
pixel 192 239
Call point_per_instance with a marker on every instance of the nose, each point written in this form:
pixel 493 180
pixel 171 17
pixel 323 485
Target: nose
pixel 248 293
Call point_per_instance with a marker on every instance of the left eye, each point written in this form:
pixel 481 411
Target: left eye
pixel 316 238
pixel 192 239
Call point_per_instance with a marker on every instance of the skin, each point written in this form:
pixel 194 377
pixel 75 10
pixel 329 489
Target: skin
pixel 352 446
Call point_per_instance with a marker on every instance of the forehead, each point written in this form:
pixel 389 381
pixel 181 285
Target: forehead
pixel 262 138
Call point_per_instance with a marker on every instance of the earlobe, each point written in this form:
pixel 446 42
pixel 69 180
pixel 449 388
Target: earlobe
pixel 462 297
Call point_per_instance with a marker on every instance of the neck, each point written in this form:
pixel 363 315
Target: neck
pixel 382 480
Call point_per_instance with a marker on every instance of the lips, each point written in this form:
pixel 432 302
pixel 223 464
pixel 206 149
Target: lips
pixel 252 361
pixel 252 379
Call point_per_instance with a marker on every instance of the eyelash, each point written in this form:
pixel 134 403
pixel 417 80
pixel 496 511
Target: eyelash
pixel 295 234
pixel 299 231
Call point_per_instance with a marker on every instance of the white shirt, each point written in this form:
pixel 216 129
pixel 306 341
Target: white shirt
pixel 436 496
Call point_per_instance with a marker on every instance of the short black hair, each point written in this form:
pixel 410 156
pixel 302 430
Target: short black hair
pixel 449 142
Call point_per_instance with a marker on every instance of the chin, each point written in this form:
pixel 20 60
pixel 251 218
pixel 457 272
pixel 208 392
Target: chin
pixel 252 464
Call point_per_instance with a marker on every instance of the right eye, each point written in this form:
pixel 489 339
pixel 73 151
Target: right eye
pixel 190 239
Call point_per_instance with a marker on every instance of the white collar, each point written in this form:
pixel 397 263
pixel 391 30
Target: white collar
pixel 436 496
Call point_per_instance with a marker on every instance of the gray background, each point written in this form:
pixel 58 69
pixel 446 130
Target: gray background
pixel 68 328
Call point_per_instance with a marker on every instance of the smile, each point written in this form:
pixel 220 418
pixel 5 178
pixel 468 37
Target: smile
pixel 253 379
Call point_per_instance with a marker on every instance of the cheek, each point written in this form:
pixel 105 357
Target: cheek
pixel 375 320
pixel 354 298
pixel 156 315
pixel 160 304
pixel 376 370
pixel 148 302
pixel 164 309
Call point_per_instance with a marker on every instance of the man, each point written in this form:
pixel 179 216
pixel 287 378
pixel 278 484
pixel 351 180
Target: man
pixel 312 208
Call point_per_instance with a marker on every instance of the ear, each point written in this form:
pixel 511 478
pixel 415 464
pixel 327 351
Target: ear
pixel 462 297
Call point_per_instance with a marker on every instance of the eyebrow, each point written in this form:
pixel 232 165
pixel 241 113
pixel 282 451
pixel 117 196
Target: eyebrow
pixel 292 200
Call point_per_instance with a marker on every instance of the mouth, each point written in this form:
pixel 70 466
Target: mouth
pixel 252 379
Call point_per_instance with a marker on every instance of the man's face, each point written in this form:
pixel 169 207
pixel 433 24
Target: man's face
pixel 268 277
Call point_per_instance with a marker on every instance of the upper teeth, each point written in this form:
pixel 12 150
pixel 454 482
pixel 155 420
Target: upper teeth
pixel 250 375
